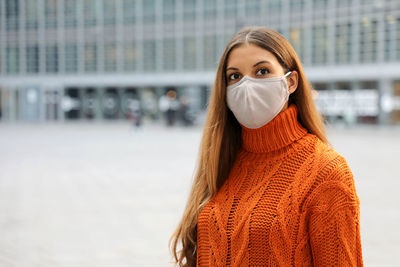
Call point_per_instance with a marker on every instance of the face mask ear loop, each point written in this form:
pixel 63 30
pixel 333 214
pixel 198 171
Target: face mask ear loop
pixel 287 74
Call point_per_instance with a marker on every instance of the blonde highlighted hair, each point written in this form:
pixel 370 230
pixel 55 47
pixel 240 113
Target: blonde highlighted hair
pixel 221 139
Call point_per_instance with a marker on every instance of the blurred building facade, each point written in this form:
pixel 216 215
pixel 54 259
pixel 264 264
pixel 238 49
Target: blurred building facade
pixel 91 59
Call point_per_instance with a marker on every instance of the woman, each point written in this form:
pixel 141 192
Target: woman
pixel 269 190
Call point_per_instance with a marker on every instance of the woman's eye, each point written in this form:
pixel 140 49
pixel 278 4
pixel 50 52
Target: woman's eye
pixel 262 71
pixel 234 76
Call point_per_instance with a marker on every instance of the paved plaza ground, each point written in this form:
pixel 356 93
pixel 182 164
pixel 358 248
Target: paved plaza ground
pixel 106 195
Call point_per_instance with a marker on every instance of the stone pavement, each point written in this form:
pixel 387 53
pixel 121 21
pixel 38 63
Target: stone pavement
pixel 102 194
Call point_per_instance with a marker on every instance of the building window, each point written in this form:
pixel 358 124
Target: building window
pixel 320 9
pixel 210 9
pixel 189 10
pixel 296 11
pixel 231 9
pixel 12 54
pixel 71 58
pixel 111 56
pixel 109 11
pixel 32 59
pixel 319 44
pixel 253 8
pixel 274 11
pixel 70 13
pixel 343 43
pixel 31 14
pixel 50 13
pixel 149 14
pixel 149 55
pixel 12 12
pixel 90 58
pixel 130 56
pixel 89 11
pixel 343 8
pixel 169 52
pixel 169 10
pixel 368 40
pixel 129 11
pixel 51 58
pixel 389 40
pixel 189 52
pixel 296 38
pixel 210 51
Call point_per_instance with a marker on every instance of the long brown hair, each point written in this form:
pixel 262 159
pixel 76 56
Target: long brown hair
pixel 221 138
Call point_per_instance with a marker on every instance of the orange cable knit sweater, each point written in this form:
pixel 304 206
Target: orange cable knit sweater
pixel 290 200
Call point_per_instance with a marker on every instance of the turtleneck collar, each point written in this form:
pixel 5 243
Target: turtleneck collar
pixel 281 131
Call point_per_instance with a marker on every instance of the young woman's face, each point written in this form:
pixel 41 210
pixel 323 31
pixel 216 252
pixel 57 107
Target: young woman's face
pixel 251 60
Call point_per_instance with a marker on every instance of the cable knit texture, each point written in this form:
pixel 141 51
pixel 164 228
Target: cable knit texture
pixel 289 200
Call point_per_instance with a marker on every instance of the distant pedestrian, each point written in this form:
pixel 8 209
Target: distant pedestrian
pixel 135 112
pixel 169 105
pixel 269 189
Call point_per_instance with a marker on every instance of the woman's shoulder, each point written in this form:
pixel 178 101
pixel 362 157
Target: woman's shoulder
pixel 331 170
pixel 322 152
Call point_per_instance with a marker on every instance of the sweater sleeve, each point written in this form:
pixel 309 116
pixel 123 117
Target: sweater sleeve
pixel 334 222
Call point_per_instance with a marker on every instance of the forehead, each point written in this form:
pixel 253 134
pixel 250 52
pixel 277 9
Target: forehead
pixel 249 54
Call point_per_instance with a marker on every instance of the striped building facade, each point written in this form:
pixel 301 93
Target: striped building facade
pixel 88 59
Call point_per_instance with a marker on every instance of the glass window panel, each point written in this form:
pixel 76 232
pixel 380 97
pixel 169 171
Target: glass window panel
pixel 253 7
pixel 130 56
pixel 109 11
pixel 71 58
pixel 51 58
pixel 319 44
pixel 129 11
pixel 90 57
pixel 231 8
pixel 169 52
pixel 189 53
pixel 70 13
pixel 149 55
pixel 31 14
pixel 343 43
pixel 149 15
pixel 296 37
pixel 32 59
pixel 368 40
pixel 210 9
pixel 111 56
pixel 169 10
pixel 189 10
pixel 50 13
pixel 210 54
pixel 12 62
pixel 12 12
pixel 89 9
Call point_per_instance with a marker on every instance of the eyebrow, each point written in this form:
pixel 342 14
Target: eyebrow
pixel 258 63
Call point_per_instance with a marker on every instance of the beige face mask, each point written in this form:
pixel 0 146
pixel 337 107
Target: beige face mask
pixel 256 101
